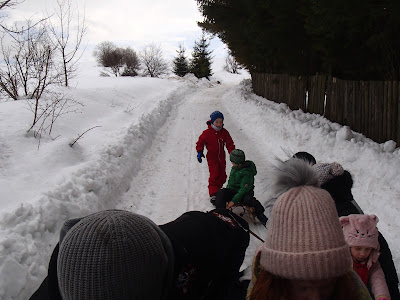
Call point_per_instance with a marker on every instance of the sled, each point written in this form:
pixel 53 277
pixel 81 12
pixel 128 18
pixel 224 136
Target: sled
pixel 245 211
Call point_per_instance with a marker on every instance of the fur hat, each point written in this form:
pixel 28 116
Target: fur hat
pixel 237 156
pixel 113 254
pixel 328 171
pixel 304 238
pixel 361 230
pixel 216 115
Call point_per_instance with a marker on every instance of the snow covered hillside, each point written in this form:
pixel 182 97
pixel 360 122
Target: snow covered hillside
pixel 143 159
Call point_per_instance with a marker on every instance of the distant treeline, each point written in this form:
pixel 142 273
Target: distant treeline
pixel 348 39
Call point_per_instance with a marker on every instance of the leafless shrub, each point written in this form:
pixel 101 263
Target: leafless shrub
pixel 231 65
pixel 121 61
pixel 131 108
pixel 50 107
pixel 153 62
pixel 131 62
pixel 28 67
pixel 110 56
pixel 102 53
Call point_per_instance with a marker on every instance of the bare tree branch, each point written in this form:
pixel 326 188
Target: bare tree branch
pixel 66 16
pixel 9 3
pixel 79 136
pixel 231 65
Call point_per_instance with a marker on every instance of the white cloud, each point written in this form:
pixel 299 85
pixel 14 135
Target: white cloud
pixel 133 23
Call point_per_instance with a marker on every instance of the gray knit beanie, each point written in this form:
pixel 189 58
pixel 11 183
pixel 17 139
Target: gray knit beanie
pixel 304 238
pixel 113 254
pixel 328 171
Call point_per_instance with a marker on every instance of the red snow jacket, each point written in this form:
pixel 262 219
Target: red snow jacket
pixel 215 141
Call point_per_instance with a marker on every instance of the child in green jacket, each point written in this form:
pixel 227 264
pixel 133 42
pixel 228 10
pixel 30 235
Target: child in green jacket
pixel 240 187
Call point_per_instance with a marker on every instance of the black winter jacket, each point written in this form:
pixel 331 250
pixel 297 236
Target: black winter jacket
pixel 209 249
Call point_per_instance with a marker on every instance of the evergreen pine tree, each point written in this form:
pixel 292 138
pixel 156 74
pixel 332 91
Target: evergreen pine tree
pixel 181 65
pixel 355 40
pixel 200 65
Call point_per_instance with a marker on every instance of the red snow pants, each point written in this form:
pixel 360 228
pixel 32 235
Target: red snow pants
pixel 217 175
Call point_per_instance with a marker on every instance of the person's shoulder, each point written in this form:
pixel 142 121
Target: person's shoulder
pixel 206 131
pixel 194 213
pixel 224 130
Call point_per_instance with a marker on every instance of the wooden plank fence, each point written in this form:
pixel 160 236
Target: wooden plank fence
pixel 281 86
pixel 368 107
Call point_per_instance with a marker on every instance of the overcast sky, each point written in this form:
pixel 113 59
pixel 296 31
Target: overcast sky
pixel 133 23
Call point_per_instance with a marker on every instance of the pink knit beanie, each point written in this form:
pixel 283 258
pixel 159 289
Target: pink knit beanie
pixel 304 238
pixel 361 230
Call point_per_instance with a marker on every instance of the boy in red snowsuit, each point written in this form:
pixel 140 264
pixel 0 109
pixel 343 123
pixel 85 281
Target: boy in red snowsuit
pixel 215 138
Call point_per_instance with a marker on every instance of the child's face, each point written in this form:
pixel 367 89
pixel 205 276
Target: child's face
pixel 218 123
pixel 360 253
pixel 235 165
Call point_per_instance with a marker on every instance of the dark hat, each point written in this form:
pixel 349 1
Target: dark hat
pixel 307 157
pixel 216 115
pixel 114 254
pixel 237 157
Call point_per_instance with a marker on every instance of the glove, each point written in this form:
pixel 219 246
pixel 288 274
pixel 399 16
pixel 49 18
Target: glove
pixel 199 156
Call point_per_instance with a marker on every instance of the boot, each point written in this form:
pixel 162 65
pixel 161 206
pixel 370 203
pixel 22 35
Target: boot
pixel 263 219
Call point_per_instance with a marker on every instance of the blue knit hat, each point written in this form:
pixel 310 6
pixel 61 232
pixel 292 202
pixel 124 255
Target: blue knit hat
pixel 216 115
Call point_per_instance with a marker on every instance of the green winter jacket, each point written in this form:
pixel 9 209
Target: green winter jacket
pixel 242 180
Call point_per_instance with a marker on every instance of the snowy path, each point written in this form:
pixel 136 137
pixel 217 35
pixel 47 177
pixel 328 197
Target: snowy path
pixel 143 160
pixel 170 179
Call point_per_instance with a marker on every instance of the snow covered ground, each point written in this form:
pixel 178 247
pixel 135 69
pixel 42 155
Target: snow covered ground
pixel 143 159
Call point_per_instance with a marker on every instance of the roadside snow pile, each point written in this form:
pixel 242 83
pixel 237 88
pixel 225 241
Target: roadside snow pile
pixel 29 233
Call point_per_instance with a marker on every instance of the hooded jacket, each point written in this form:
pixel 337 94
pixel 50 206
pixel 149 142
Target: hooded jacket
pixel 241 180
pixel 361 230
pixel 340 189
pixel 209 250
pixel 215 141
